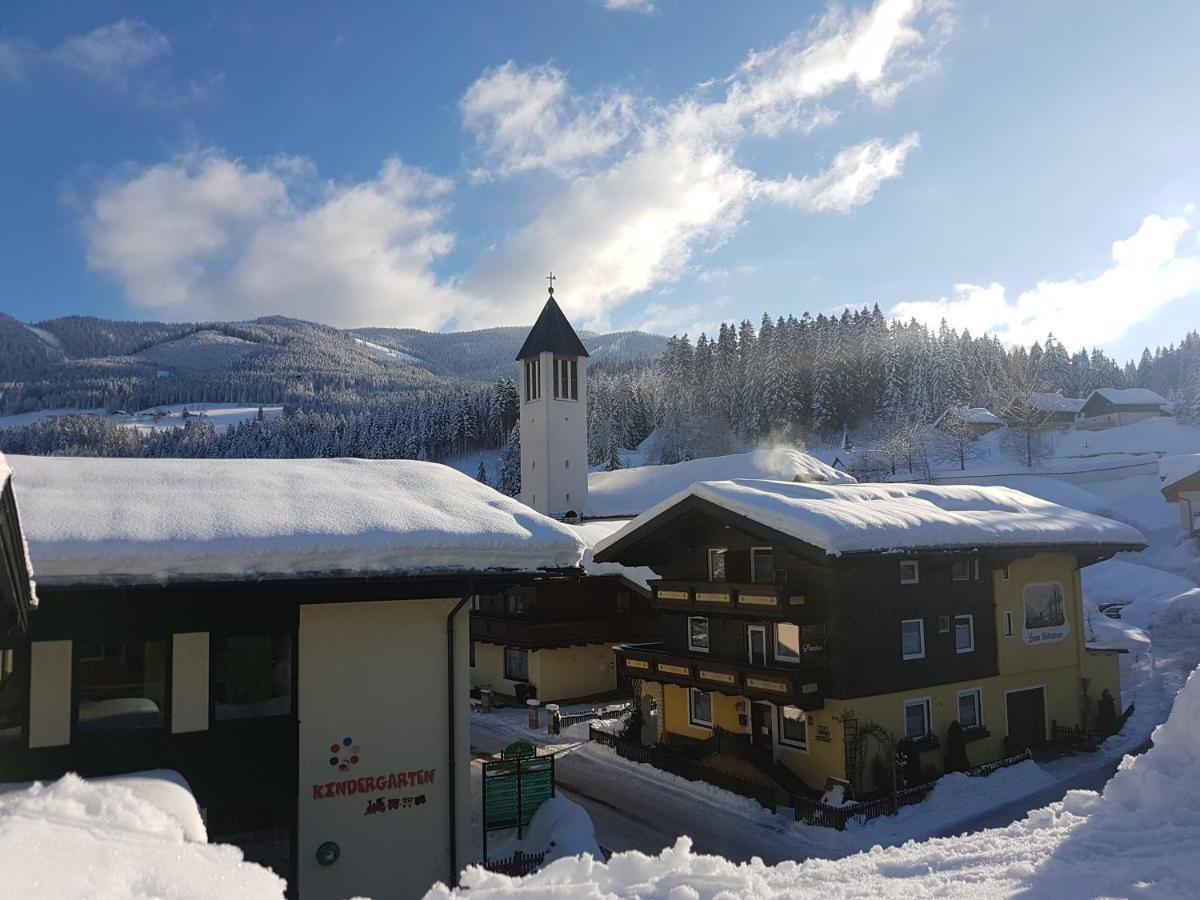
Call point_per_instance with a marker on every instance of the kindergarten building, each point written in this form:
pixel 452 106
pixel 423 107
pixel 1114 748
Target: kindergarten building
pixel 813 625
pixel 289 635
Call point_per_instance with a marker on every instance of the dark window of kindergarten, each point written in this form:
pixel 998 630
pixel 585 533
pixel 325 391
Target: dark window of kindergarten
pixel 252 676
pixel 121 686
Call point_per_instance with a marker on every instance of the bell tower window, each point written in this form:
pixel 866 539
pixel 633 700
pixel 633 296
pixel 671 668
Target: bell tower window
pixel 533 380
pixel 566 379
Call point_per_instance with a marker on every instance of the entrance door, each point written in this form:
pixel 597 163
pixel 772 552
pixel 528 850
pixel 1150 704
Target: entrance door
pixel 756 638
pixel 1027 717
pixel 762 738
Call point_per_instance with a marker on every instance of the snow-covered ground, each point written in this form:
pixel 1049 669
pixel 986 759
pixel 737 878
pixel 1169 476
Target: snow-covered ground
pixel 1141 836
pixel 135 835
pixel 222 415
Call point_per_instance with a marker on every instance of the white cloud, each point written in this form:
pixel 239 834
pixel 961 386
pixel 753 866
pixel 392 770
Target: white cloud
pixel 641 207
pixel 206 236
pixel 1148 271
pixel 526 119
pixel 15 57
pixel 112 53
pixel 851 181
pixel 641 6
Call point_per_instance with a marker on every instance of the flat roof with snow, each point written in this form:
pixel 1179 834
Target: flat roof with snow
pixel 161 519
pixel 874 518
pixel 627 492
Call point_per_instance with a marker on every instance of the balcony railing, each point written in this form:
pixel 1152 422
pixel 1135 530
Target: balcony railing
pixel 532 635
pixel 802 686
pixel 770 600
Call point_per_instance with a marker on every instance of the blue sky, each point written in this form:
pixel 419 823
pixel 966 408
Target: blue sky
pixel 1018 168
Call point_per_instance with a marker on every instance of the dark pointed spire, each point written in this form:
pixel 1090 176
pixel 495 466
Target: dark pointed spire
pixel 552 332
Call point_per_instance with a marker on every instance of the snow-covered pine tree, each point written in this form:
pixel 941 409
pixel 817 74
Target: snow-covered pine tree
pixel 509 474
pixel 481 475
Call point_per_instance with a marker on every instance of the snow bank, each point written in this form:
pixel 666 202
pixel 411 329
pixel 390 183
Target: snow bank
pixel 1165 604
pixel 132 836
pixel 1141 836
pixel 145 519
pixel 591 533
pixel 565 828
pixel 627 492
pixel 848 518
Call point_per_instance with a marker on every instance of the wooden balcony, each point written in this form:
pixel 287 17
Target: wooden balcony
pixel 766 600
pixel 535 635
pixel 802 686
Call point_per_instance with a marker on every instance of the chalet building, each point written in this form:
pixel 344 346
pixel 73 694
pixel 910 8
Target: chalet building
pixel 1060 411
pixel 289 635
pixel 976 420
pixel 815 623
pixel 1181 485
pixel 1113 407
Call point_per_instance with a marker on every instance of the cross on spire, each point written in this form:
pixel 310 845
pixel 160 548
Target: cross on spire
pixel 551 278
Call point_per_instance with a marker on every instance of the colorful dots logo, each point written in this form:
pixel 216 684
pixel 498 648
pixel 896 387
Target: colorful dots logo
pixel 343 754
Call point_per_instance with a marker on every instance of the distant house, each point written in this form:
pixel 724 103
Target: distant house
pixel 1181 484
pixel 1113 407
pixel 802 621
pixel 293 640
pixel 976 420
pixel 1060 411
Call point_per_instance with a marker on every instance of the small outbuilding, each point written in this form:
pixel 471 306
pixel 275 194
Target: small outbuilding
pixel 1060 411
pixel 1181 485
pixel 1114 407
pixel 974 420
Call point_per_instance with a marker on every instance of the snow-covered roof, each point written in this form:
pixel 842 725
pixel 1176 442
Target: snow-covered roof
pixel 1174 469
pixel 154 519
pixel 1129 396
pixel 976 415
pixel 627 492
pixel 137 835
pixel 854 518
pixel 1056 403
pixel 593 531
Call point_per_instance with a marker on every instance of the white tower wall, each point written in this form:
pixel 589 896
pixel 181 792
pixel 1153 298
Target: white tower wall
pixel 554 465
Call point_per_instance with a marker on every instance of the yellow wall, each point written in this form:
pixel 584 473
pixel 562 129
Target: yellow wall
pixel 488 670
pixel 725 713
pixel 562 673
pixel 376 672
pixel 822 759
pixel 1016 653
pixel 50 693
pixel 1103 669
pixel 189 682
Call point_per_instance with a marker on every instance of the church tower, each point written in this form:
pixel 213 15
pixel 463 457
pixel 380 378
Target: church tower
pixel 553 388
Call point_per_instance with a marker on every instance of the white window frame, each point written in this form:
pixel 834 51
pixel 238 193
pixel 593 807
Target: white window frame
pixel 978 694
pixel 971 624
pixel 725 562
pixel 908 656
pixel 708 625
pixel 562 378
pixel 761 629
pixel 927 704
pixel 943 624
pixel 784 658
pixel 966 563
pixel 916 571
pixel 692 719
pixel 784 742
pixel 1008 623
pixel 753 573
pixel 533 380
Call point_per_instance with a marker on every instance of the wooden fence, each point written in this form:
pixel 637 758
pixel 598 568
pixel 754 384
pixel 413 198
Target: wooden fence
pixel 761 791
pixel 569 719
pixel 516 865
pixel 813 812
pixel 1080 740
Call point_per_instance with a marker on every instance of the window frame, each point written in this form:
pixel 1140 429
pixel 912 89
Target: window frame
pixel 692 648
pixel 966 564
pixel 754 573
pixel 724 565
pixel 911 656
pixel 566 378
pixel 166 710
pixel 916 571
pixel 533 379
pixel 927 706
pixel 787 742
pixel 508 672
pixel 760 629
pixel 693 720
pixel 1008 623
pixel 977 693
pixel 784 658
pixel 970 619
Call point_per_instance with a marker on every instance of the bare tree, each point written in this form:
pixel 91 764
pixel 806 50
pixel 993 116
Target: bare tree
pixel 1026 423
pixel 957 441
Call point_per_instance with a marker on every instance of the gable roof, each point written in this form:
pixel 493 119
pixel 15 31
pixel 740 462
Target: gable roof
pixel 552 332
pixel 1129 396
pixel 876 518
pixel 1055 403
pixel 1179 473
pixel 153 520
pixel 975 415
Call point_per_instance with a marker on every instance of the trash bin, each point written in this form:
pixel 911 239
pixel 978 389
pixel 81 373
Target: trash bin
pixel 521 690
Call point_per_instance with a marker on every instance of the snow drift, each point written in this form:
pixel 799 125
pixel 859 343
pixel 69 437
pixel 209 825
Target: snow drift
pixel 145 519
pixel 627 492
pixel 1141 836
